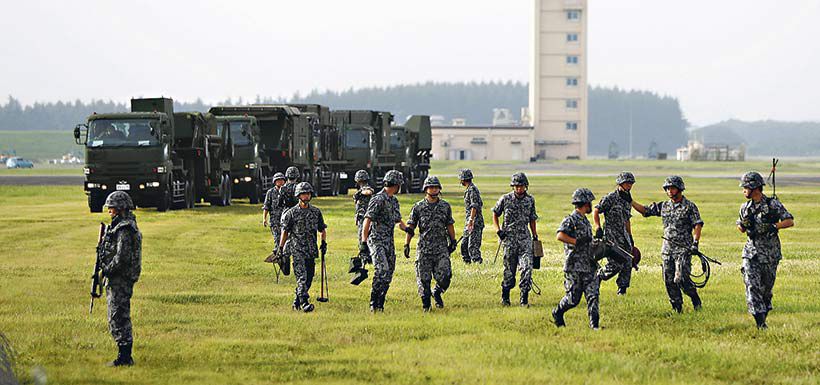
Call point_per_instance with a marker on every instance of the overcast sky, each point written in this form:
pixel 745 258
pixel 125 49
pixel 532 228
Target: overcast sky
pixel 745 59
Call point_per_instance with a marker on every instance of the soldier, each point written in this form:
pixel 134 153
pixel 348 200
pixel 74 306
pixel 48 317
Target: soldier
pixel 300 224
pixel 474 220
pixel 271 210
pixel 361 199
pixel 437 240
pixel 617 209
pixel 579 268
pixel 121 267
pixel 761 218
pixel 377 236
pixel 286 197
pixel 681 228
pixel 518 233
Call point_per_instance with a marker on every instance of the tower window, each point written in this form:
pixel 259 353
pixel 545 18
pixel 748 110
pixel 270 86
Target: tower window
pixel 574 15
pixel 572 59
pixel 572 126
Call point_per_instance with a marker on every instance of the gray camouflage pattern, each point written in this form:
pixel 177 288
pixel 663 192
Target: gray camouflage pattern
pixel 431 219
pixel 118 299
pixel 361 201
pixel 759 278
pixel 302 225
pixel 121 266
pixel 517 213
pixel 303 271
pixel 286 197
pixel 472 199
pixel 579 284
pixel 274 213
pixel 578 259
pixel 617 213
pixel 383 211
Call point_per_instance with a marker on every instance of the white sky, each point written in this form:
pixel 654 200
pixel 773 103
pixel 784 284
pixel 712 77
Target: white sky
pixel 745 59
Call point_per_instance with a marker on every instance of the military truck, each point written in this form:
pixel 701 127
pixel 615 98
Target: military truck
pixel 287 137
pixel 204 148
pixel 366 144
pixel 411 145
pixel 142 153
pixel 326 150
pixel 246 166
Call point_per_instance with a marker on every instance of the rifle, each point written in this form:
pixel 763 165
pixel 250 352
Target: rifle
pixel 96 278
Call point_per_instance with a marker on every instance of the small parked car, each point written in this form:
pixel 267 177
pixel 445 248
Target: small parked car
pixel 17 162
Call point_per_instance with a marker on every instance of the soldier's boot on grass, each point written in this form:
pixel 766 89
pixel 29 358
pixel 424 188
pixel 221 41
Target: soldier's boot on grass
pixel 297 303
pixel 594 322
pixel 380 299
pixel 558 317
pixel 505 297
pixel 374 300
pixel 760 320
pixel 123 356
pixel 437 298
pixel 677 307
pixel 621 291
pixel 525 299
pixel 425 304
pixel 697 303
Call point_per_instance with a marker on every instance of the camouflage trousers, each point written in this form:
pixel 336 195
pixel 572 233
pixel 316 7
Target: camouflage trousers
pixel 577 284
pixel 429 266
pixel 383 255
pixel 365 257
pixel 471 245
pixel 759 279
pixel 517 256
pixel 118 298
pixel 673 290
pixel 617 266
pixel 303 270
pixel 276 231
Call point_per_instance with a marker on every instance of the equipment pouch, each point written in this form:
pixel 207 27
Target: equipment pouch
pixel 537 253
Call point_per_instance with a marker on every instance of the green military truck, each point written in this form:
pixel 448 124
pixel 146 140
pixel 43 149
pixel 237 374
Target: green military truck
pixel 326 149
pixel 366 144
pixel 247 165
pixel 204 147
pixel 411 144
pixel 142 153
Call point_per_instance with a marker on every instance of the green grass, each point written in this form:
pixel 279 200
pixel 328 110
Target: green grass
pixel 207 309
pixel 39 145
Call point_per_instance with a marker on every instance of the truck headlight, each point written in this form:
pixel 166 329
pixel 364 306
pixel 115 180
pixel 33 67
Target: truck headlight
pixel 87 170
pixel 160 170
pixel 248 179
pixel 250 166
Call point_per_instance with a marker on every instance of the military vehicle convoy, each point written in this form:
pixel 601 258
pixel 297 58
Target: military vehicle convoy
pixel 173 160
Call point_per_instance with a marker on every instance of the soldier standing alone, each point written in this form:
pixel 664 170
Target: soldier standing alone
pixel 579 268
pixel 433 217
pixel 300 224
pixel 270 208
pixel 474 220
pixel 121 267
pixel 761 218
pixel 681 229
pixel 617 207
pixel 518 233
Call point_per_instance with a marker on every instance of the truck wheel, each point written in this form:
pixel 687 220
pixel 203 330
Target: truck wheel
pixel 189 195
pixel 164 202
pixel 96 201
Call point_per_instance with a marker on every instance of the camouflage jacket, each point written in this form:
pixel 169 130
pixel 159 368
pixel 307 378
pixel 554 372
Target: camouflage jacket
pixel 302 224
pixel 578 259
pixel 763 246
pixel 122 250
pixel 361 201
pixel 431 219
pixel 518 213
pixel 286 200
pixel 271 204
pixel 472 200
pixel 679 219
pixel 617 213
pixel 383 211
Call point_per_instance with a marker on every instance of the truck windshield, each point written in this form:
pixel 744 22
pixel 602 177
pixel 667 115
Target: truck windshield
pixel 397 139
pixel 122 133
pixel 357 138
pixel 236 133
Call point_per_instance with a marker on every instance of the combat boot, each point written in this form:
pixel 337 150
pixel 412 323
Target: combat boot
pixel 425 304
pixel 297 304
pixel 123 356
pixel 307 307
pixel 677 307
pixel 505 297
pixel 760 320
pixel 558 317
pixel 374 301
pixel 621 291
pixel 696 302
pixel 466 260
pixel 524 300
pixel 479 260
pixel 593 323
pixel 437 298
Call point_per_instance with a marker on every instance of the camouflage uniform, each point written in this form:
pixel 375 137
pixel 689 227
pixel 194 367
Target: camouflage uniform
pixel 761 254
pixel 274 212
pixel 361 202
pixel 432 256
pixel 286 198
pixel 121 266
pixel 383 211
pixel 617 212
pixel 579 268
pixel 472 240
pixel 679 219
pixel 302 224
pixel 518 213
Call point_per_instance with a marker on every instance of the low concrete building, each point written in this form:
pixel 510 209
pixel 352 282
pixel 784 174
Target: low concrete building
pixel 482 143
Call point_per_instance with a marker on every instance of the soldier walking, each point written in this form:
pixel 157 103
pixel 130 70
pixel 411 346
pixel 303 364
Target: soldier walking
pixel 617 209
pixel 121 267
pixel 580 277
pixel 433 217
pixel 361 199
pixel 473 221
pixel 517 234
pixel 681 229
pixel 761 218
pixel 381 217
pixel 300 224
pixel 270 208
pixel 287 199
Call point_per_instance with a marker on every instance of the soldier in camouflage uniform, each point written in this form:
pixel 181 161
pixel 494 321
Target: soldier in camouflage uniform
pixel 270 208
pixel 377 236
pixel 361 199
pixel 473 221
pixel 433 217
pixel 121 267
pixel 617 209
pixel 761 218
pixel 287 199
pixel 580 277
pixel 517 234
pixel 681 228
pixel 300 224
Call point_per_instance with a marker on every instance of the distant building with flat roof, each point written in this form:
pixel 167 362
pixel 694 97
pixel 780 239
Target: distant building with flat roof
pixel 482 143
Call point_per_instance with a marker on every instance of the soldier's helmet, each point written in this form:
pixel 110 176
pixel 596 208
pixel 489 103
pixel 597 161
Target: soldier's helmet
pixel 674 181
pixel 752 180
pixel 431 181
pixel 519 179
pixel 361 176
pixel 302 188
pixel 465 174
pixel 393 178
pixel 292 173
pixel 582 195
pixel 278 176
pixel 119 200
pixel 625 177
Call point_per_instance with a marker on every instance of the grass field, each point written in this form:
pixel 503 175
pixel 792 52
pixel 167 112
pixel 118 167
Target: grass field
pixel 207 310
pixel 39 144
